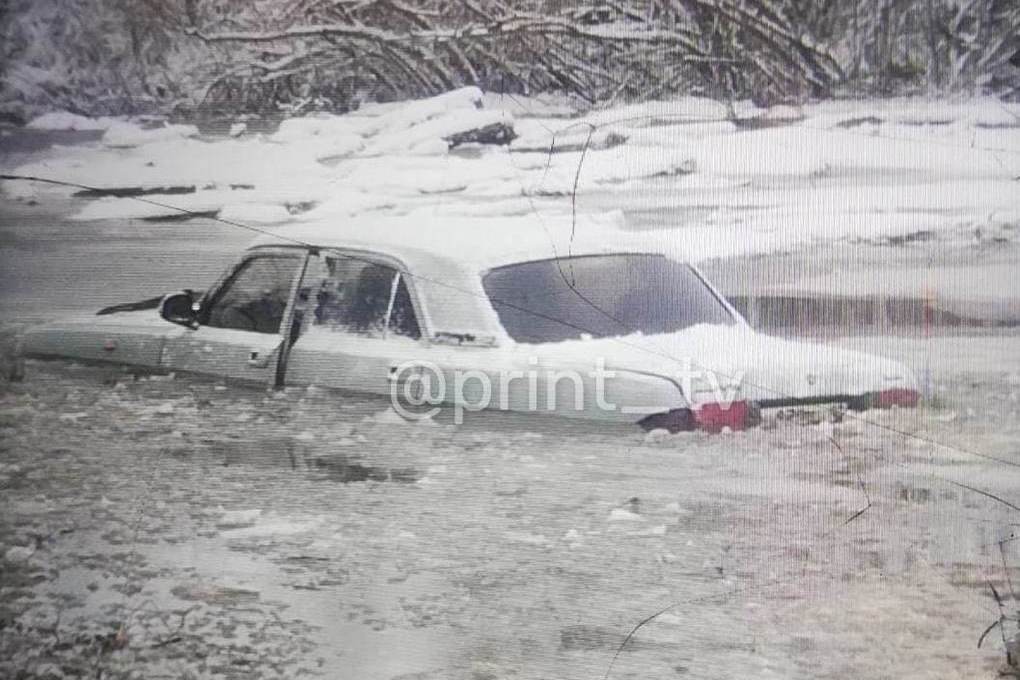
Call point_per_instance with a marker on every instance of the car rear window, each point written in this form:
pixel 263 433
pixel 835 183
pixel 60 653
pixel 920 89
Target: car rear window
pixel 600 296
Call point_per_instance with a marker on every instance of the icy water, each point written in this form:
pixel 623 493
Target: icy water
pixel 50 265
pixel 233 533
pixel 168 526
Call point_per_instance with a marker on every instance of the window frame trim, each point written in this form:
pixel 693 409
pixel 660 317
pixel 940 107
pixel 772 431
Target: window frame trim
pixel 300 254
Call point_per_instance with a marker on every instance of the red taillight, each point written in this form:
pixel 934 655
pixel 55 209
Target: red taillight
pixel 714 417
pixel 709 417
pixel 900 396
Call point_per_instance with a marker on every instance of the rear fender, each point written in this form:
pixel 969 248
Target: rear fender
pixel 635 395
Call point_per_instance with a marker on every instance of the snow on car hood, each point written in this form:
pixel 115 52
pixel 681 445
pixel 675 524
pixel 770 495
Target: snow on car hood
pixel 721 363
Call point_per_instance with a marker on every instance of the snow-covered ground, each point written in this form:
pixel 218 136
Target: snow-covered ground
pixel 180 528
pixel 767 181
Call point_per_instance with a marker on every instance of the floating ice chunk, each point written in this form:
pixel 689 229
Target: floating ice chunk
pixel 389 416
pixel 65 120
pixel 68 120
pixel 320 127
pixel 621 515
pixel 230 519
pixel 337 146
pixel 526 538
pixel 199 204
pixel 259 213
pixel 658 530
pixel 345 203
pixel 417 112
pixel 275 527
pixel 657 435
pixel 19 553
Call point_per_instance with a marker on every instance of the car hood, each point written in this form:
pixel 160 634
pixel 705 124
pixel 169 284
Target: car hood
pixel 714 363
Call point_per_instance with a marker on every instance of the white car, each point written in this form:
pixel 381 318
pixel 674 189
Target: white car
pixel 575 317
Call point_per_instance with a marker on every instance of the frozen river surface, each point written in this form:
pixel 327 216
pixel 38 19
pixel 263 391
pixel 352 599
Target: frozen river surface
pixel 180 528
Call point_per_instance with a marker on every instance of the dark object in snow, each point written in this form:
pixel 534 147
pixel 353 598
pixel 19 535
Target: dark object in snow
pixel 132 192
pixel 183 216
pixel 855 122
pixel 497 133
pixel 592 143
pixel 762 122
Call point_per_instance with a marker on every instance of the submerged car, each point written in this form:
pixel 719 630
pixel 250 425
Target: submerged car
pixel 575 317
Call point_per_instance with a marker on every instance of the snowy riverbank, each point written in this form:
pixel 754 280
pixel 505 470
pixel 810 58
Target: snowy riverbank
pixel 767 181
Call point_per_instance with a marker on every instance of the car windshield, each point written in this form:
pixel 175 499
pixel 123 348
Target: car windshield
pixel 600 296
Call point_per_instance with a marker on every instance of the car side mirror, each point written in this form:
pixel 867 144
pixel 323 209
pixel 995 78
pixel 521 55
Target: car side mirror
pixel 179 308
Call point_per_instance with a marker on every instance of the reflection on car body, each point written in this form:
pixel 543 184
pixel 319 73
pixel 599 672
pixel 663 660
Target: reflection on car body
pixel 348 306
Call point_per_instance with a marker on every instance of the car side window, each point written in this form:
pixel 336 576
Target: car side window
pixel 255 297
pixel 353 295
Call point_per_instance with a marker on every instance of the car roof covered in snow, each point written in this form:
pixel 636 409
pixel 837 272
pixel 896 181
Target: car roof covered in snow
pixel 444 256
pixel 479 243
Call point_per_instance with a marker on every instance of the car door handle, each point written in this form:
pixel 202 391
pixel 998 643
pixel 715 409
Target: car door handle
pixel 256 359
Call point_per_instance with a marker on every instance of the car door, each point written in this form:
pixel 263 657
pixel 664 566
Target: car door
pixel 358 324
pixel 240 324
